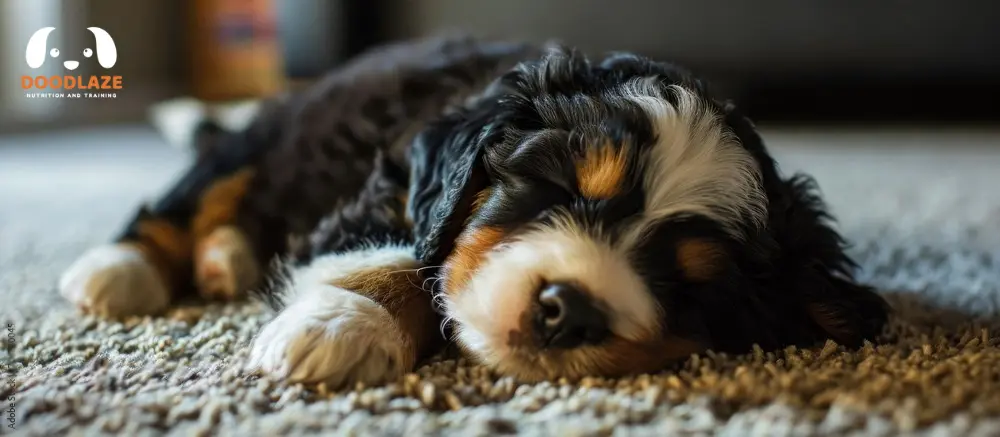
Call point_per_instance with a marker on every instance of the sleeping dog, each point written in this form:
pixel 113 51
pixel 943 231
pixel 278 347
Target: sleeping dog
pixel 553 215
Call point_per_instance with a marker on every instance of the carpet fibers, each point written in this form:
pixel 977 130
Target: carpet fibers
pixel 922 208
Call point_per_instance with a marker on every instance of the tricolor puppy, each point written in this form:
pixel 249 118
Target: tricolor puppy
pixel 560 216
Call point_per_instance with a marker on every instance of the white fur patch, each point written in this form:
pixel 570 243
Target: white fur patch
pixel 114 280
pixel 328 268
pixel 331 335
pixel 696 166
pixel 505 286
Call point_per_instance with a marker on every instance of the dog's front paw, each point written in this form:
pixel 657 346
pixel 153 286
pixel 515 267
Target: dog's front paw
pixel 114 281
pixel 332 336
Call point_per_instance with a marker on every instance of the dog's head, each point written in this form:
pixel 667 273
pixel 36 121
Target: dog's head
pixel 38 48
pixel 607 219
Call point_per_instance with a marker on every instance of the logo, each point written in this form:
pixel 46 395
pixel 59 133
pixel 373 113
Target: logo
pixel 107 53
pixel 38 53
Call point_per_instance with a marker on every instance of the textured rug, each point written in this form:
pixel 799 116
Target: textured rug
pixel 923 209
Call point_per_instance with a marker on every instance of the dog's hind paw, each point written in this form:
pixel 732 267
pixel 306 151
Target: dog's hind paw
pixel 225 265
pixel 115 281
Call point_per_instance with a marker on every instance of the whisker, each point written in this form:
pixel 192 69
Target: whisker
pixel 443 326
pixel 423 286
pixel 439 299
pixel 434 283
pixel 440 304
pixel 392 272
pixel 414 285
pixel 416 270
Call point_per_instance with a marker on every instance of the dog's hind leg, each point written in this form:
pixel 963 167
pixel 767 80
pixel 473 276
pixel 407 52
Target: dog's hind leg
pixel 189 237
pixel 224 258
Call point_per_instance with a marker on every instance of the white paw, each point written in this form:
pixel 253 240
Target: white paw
pixel 333 336
pixel 225 266
pixel 114 281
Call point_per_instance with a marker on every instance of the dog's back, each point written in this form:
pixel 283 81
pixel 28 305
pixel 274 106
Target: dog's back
pixel 315 148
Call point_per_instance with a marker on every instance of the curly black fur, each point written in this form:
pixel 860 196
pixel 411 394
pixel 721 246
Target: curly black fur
pixel 409 134
pixel 787 283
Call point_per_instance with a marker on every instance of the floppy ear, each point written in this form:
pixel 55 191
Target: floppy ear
pixel 35 53
pixel 821 272
pixel 447 171
pixel 107 53
pixel 813 268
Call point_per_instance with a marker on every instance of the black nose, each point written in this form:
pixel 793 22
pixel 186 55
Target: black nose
pixel 569 317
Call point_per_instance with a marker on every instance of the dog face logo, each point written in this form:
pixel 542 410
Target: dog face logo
pixel 38 50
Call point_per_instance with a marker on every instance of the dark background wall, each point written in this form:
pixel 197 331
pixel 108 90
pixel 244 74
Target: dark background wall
pixel 787 59
pixel 747 37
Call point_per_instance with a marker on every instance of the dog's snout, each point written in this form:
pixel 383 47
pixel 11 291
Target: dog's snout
pixel 569 318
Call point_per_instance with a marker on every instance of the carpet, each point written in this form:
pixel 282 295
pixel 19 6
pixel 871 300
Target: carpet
pixel 921 206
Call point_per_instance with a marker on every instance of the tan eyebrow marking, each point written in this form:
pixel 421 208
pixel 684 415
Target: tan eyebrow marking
pixel 601 172
pixel 700 260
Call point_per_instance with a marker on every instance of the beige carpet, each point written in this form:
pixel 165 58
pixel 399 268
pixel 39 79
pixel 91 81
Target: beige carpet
pixel 923 208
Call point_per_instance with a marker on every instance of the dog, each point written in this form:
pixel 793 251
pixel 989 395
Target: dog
pixel 558 216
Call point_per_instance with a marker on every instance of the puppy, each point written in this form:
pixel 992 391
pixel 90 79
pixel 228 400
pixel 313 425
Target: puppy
pixel 560 217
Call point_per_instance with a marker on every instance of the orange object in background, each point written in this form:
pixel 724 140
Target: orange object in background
pixel 236 52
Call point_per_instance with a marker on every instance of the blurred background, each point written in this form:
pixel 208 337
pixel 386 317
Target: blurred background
pixel 810 61
pixel 898 95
